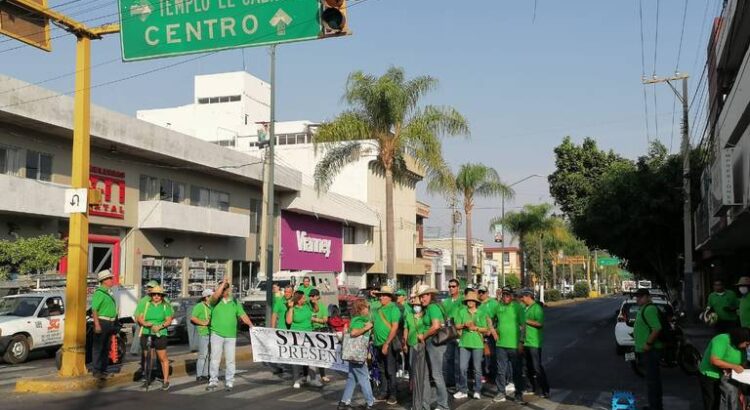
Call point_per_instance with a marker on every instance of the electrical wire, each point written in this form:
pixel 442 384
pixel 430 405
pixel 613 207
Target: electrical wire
pixel 682 36
pixel 656 46
pixel 643 70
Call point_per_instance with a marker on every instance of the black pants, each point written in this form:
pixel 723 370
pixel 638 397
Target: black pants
pixel 536 373
pixel 100 347
pixel 651 361
pixel 710 392
pixel 387 364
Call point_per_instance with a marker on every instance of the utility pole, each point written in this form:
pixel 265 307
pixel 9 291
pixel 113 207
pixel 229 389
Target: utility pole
pixel 688 291
pixel 502 238
pixel 453 236
pixel 267 212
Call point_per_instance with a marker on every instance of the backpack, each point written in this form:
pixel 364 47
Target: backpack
pixel 667 334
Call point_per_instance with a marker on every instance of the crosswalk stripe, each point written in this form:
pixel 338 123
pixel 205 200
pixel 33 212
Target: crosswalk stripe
pixel 302 397
pixel 254 391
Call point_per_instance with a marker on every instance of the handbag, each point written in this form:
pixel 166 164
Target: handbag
pixel 354 349
pixel 447 331
pixel 396 342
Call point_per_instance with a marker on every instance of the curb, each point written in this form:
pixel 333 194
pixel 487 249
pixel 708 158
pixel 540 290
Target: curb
pixel 182 365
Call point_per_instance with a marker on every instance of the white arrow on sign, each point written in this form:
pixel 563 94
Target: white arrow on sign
pixel 280 20
pixel 142 9
pixel 76 201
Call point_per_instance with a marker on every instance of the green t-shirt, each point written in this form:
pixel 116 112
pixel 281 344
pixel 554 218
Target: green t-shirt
pixel 453 306
pixel 103 303
pixel 224 318
pixel 721 302
pixel 721 348
pixel 306 289
pixel 744 311
pixel 432 312
pixel 142 304
pixel 157 315
pixel 489 307
pixel 646 321
pixel 414 327
pixel 202 311
pixel 280 308
pixel 471 339
pixel 392 316
pixel 510 319
pixel 534 335
pixel 302 318
pixel 358 322
pixel 322 313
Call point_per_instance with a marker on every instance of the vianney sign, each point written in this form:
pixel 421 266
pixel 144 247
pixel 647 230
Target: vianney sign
pixel 160 28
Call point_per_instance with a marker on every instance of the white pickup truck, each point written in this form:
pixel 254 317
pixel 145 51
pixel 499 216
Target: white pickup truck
pixel 35 321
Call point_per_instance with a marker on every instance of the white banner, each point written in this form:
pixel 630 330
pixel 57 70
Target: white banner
pixel 296 347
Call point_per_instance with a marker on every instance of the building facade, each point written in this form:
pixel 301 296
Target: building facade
pixel 722 218
pixel 506 261
pixel 474 274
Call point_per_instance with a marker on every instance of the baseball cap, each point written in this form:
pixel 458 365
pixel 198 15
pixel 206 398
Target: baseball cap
pixel 482 288
pixel 508 290
pixel 207 292
pixel 401 292
pixel 526 292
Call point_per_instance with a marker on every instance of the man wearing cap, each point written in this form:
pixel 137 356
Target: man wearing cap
pixel 452 305
pixel 104 313
pixel 488 304
pixel 386 324
pixel 201 318
pixel 508 336
pixel 724 302
pixel 534 317
pixel 647 345
pixel 743 287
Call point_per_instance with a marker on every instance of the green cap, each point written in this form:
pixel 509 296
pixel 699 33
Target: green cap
pixel 152 284
pixel 401 292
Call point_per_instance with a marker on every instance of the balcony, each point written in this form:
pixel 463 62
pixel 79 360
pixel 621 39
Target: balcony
pixel 30 196
pixel 172 216
pixel 732 34
pixel 361 253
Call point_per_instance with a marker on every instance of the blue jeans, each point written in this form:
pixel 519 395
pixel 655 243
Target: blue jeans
pixel 509 368
pixel 221 345
pixel 436 356
pixel 451 364
pixel 475 356
pixel 358 375
pixel 201 365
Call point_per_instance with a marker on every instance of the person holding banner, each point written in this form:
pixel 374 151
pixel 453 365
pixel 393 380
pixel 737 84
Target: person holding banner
pixel 299 316
pixel 278 315
pixel 320 323
pixel 432 319
pixel 358 374
pixel 201 318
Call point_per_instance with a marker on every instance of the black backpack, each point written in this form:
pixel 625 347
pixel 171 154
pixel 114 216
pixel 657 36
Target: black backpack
pixel 667 334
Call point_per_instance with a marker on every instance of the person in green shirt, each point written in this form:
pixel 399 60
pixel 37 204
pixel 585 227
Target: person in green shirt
pixel 225 312
pixel 724 354
pixel 385 320
pixel 104 315
pixel 319 323
pixel 725 303
pixel 135 348
pixel 299 317
pixel 451 306
pixel 508 335
pixel 154 320
pixel 487 304
pixel 413 327
pixel 358 373
pixel 534 316
pixel 278 314
pixel 472 323
pixel 432 320
pixel 306 286
pixel 743 287
pixel 201 318
pixel 646 331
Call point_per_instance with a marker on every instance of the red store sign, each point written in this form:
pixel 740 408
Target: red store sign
pixel 103 179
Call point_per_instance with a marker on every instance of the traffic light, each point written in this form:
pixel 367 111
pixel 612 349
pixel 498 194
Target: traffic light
pixel 333 18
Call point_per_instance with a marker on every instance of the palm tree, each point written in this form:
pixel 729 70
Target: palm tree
pixel 477 180
pixel 531 220
pixel 385 113
pixel 442 181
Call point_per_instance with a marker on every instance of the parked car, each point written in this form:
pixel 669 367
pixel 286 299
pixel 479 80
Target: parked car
pixel 626 315
pixel 32 321
pixel 178 329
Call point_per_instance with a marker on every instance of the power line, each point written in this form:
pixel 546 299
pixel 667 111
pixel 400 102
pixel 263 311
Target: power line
pixel 643 69
pixel 682 35
pixel 656 49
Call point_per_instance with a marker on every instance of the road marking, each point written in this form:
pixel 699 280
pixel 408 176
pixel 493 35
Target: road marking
pixel 254 392
pixel 302 397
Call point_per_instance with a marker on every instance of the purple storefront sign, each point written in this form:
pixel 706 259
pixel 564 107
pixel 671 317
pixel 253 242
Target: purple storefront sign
pixel 310 243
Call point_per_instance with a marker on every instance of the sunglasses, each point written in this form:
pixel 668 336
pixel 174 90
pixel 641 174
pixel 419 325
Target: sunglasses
pixel 452 286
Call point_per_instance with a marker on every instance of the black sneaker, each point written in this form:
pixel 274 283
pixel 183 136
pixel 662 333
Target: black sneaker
pixel 381 398
pixel 344 406
pixel 165 386
pixel 520 401
pixel 545 395
pixel 391 400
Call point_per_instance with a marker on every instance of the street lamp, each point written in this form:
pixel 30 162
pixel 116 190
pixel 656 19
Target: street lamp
pixel 502 226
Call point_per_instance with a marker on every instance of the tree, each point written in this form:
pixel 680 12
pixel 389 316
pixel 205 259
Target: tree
pixel 385 113
pixel 558 238
pixel 30 255
pixel 531 220
pixel 477 180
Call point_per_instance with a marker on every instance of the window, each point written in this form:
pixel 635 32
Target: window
pixel 234 98
pixel 349 234
pixel 38 166
pixel 199 196
pixel 171 191
pixel 203 101
pixel 254 215
pixel 506 258
pixel 300 138
pixel 213 100
pixel 149 188
pixel 209 198
pixel 220 200
pixel 9 161
pixel 223 99
pixel 225 143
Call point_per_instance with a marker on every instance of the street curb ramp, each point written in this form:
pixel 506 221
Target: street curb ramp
pixel 182 365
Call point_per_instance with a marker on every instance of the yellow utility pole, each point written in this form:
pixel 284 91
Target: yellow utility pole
pixel 74 336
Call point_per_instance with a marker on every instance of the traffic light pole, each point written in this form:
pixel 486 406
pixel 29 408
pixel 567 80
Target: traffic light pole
pixel 267 216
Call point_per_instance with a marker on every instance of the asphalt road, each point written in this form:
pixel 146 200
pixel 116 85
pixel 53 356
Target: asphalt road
pixel 579 357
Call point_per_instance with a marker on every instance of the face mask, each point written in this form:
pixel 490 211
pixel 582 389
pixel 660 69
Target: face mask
pixel 743 290
pixel 417 309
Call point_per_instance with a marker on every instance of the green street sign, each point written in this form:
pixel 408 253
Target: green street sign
pixel 161 28
pixel 607 261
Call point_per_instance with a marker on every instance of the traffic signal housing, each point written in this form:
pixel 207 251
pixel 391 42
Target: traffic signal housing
pixel 333 18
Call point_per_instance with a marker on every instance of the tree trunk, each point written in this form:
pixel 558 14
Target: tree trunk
pixel 390 227
pixel 469 253
pixel 554 275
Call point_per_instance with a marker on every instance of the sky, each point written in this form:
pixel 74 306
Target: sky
pixel 524 73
